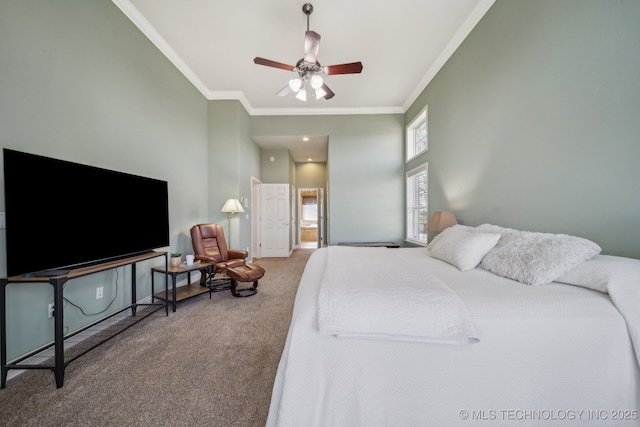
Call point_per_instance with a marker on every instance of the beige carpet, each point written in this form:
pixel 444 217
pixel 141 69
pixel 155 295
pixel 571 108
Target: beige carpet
pixel 211 363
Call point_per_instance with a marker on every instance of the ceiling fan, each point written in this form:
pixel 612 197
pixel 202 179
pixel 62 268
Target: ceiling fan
pixel 310 72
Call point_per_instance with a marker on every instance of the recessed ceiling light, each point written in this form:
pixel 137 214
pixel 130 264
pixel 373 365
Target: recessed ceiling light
pixel 309 160
pixel 305 139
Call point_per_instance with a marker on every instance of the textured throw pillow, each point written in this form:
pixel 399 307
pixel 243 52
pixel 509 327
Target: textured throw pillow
pixel 490 228
pixel 536 258
pixel 463 248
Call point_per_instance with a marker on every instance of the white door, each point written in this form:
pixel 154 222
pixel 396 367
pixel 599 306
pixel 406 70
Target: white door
pixel 274 220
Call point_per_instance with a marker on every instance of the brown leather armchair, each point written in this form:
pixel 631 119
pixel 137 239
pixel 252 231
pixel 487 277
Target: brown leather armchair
pixel 209 245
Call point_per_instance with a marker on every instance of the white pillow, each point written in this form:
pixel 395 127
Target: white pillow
pixel 536 258
pixel 600 270
pixel 463 248
pixel 456 226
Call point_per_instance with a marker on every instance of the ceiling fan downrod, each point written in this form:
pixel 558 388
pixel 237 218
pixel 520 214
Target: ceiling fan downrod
pixel 307 9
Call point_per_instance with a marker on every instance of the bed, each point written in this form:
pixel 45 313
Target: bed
pixel 554 353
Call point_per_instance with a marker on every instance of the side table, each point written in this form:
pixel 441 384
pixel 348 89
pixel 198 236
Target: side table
pixel 187 291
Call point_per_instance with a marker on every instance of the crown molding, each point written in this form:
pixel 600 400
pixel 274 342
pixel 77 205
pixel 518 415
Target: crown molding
pixel 239 96
pixel 323 111
pixel 230 95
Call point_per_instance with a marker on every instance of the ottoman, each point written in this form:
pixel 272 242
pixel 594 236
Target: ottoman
pixel 245 273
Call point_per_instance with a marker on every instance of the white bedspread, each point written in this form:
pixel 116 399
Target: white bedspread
pixel 378 294
pixel 554 355
pixel 620 278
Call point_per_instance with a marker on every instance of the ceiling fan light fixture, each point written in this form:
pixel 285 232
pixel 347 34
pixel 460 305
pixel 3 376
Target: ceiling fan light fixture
pixel 295 84
pixel 302 94
pixel 310 72
pixel 316 82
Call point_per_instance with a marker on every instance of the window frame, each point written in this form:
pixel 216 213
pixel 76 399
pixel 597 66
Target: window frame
pixel 416 123
pixel 415 211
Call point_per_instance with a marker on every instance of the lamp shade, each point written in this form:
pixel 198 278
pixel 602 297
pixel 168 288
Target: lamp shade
pixel 316 82
pixel 302 94
pixel 442 220
pixel 295 84
pixel 232 206
pixel 320 93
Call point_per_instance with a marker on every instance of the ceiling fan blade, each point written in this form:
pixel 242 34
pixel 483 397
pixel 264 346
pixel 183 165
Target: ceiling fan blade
pixel 284 91
pixel 274 64
pixel 350 68
pixel 311 46
pixel 329 94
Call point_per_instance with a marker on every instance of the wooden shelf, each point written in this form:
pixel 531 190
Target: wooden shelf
pixel 184 292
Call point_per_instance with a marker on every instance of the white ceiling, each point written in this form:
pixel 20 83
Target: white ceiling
pixel 402 44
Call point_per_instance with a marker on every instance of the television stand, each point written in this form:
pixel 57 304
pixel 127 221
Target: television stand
pixel 50 273
pixel 62 357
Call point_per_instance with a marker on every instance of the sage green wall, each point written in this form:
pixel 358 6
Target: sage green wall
pixel 278 170
pixel 311 175
pixel 366 180
pixel 79 82
pixel 249 167
pixel 534 121
pixel 233 159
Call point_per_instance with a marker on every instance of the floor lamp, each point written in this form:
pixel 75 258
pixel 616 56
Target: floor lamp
pixel 231 206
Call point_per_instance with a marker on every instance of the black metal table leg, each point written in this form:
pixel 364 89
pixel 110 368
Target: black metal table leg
pixel 58 315
pixel 134 299
pixel 208 273
pixel 3 326
pixel 173 290
pixel 166 283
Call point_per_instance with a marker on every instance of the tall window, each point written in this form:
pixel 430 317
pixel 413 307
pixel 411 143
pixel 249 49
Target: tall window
pixel 417 135
pixel 417 214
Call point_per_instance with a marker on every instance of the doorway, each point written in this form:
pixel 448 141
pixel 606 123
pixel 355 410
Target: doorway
pixel 309 219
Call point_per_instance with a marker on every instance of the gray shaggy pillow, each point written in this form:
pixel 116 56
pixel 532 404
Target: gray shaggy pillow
pixel 535 258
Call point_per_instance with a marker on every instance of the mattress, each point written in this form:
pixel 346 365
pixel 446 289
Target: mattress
pixel 547 355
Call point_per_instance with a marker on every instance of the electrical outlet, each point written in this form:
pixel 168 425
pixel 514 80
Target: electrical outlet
pixel 99 292
pixel 50 311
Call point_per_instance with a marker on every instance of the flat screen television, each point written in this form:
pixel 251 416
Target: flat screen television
pixel 62 215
